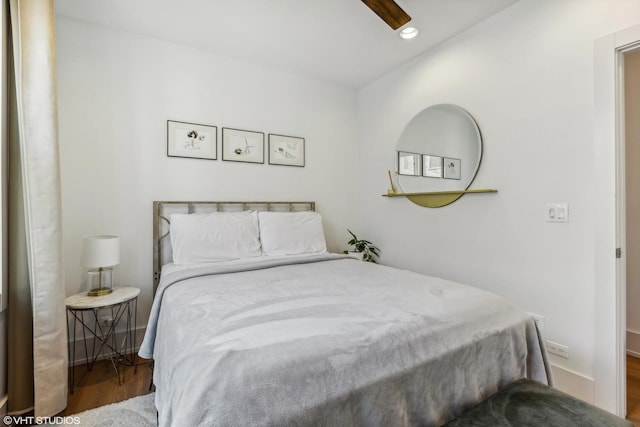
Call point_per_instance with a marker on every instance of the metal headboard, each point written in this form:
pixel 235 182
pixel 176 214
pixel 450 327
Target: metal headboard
pixel 162 212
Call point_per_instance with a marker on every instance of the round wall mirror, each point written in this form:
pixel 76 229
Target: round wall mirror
pixel 439 150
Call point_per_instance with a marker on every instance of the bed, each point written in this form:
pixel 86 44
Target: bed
pixel 314 338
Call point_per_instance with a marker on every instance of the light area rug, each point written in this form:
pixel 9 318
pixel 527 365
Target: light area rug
pixel 135 412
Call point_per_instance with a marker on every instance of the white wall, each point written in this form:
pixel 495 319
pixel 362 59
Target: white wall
pixel 632 156
pixel 116 92
pixel 526 75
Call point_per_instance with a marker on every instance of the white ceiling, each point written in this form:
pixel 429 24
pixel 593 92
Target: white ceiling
pixel 341 41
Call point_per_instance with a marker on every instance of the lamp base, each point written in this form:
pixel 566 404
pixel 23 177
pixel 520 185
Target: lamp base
pixel 97 292
pixel 100 282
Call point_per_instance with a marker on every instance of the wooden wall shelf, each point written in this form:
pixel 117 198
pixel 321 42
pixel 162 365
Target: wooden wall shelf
pixel 436 199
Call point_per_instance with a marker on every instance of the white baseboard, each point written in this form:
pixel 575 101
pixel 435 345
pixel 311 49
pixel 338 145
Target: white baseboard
pixel 81 358
pixel 573 383
pixel 633 353
pixel 633 342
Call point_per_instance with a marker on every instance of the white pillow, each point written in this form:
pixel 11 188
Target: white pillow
pixel 212 237
pixel 291 233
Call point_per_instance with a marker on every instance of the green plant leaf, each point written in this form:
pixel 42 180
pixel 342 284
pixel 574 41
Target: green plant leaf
pixel 368 249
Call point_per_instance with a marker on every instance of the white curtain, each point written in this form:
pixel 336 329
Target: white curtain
pixel 36 285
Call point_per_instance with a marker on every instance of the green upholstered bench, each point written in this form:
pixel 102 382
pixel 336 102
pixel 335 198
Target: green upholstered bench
pixel 526 403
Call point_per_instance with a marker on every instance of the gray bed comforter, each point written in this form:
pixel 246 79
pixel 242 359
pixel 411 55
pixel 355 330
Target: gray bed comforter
pixel 329 341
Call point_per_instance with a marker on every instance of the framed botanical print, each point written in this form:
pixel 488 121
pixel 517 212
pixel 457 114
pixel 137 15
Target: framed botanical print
pixel 452 168
pixel 191 140
pixel 286 150
pixel 242 145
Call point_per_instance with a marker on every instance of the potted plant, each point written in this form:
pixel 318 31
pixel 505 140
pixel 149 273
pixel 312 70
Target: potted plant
pixel 367 249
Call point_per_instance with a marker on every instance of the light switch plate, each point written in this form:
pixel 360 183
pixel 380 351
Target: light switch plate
pixel 557 212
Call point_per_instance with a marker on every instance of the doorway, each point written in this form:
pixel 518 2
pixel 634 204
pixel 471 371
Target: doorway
pixel 631 93
pixel 610 226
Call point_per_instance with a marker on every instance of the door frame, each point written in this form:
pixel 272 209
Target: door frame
pixel 609 217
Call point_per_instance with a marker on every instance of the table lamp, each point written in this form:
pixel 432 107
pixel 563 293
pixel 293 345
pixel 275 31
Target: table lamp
pixel 100 253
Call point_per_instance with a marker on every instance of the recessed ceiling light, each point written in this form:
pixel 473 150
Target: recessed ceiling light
pixel 409 33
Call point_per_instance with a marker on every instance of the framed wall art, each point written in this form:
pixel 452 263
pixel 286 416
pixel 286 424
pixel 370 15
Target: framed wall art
pixel 452 168
pixel 192 140
pixel 409 164
pixel 431 166
pixel 242 146
pixel 286 150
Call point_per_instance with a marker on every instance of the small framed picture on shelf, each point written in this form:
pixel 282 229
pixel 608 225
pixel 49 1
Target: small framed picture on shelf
pixel 191 140
pixel 431 166
pixel 409 163
pixel 286 150
pixel 242 146
pixel 452 168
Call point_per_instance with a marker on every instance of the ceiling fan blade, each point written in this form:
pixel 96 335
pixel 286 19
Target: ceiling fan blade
pixel 389 11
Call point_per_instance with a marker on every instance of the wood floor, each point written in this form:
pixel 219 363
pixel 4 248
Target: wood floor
pixel 633 390
pixel 100 387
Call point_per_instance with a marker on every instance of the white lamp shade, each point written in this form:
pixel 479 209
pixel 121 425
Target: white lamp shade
pixel 100 251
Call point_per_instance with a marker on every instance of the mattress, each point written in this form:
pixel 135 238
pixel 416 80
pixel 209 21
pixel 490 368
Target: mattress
pixel 325 340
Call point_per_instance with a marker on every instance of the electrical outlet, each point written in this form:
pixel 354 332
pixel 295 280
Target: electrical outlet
pixel 558 349
pixel 106 320
pixel 539 321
